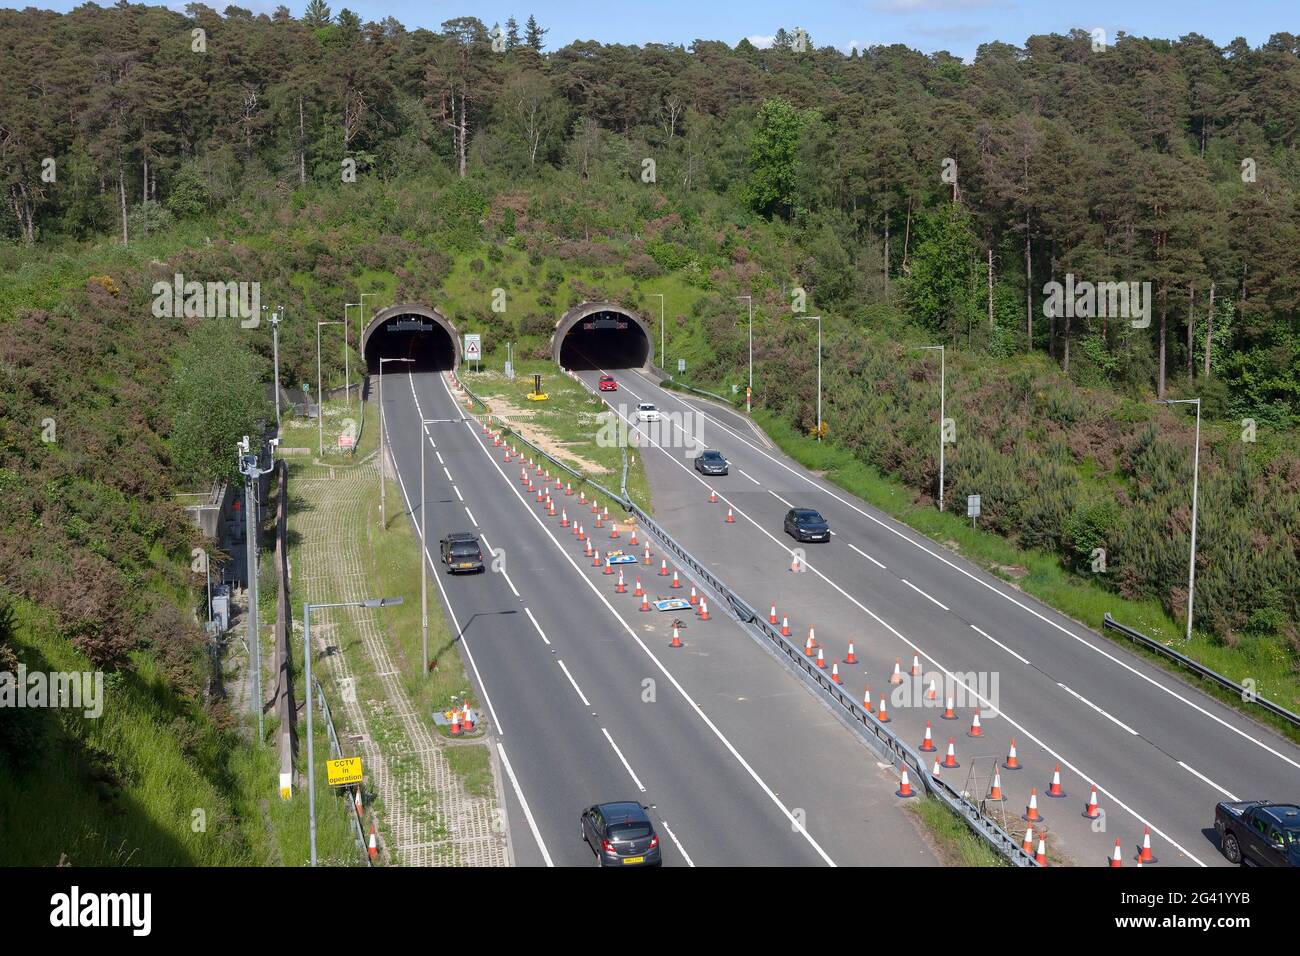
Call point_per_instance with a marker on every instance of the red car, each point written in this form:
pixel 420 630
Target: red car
pixel 607 384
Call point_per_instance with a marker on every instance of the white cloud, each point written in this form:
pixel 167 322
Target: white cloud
pixel 763 43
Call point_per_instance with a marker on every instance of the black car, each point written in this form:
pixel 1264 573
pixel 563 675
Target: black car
pixel 711 463
pixel 1259 832
pixel 461 552
pixel 805 524
pixel 621 834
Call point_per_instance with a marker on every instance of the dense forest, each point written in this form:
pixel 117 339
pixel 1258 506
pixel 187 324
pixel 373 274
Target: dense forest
pixel 913 198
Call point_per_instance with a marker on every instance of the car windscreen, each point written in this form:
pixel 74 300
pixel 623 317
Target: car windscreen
pixel 712 456
pixel 629 831
pixel 809 517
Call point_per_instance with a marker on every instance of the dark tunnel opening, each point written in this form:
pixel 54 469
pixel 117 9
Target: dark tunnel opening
pixel 604 340
pixel 420 338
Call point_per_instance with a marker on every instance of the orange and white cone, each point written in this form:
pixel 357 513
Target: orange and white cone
pixel 916 665
pixel 677 639
pixel 564 517
pixel 950 758
pixel 1092 811
pixel 794 564
pixel 663 568
pixel 467 718
pixel 676 581
pixel 785 627
pixel 713 496
pixel 850 657
pixel 582 537
pixel 646 557
pixel 609 568
pixel 937 770
pixel 1011 763
pixel 455 729
pixel 1031 811
pixel 771 617
pixel 975 729
pixel 1144 853
pixel 904 787
pixel 631 542
pixel 568 489
pixel 620 588
pixel 639 590
pixel 882 714
pixel 372 850
pixel 645 601
pixel 356 802
pixel 1028 845
pixel 613 530
pixel 932 692
pixel 694 599
pixel 866 700
pixel 927 744
pixel 704 611
pixel 1117 857
pixel 835 672
pixel 731 519
pixel 948 713
pixel 995 791
pixel 821 659
pixel 1055 790
pixel 595 558
pixel 1041 856
pixel 582 498
pixel 897 676
pixel 808 645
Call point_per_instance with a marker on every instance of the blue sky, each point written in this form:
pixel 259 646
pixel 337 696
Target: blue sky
pixel 958 26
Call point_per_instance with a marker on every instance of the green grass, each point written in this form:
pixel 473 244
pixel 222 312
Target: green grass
pixel 1041 574
pixel 958 845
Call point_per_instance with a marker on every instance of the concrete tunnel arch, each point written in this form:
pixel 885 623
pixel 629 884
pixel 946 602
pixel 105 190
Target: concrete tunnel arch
pixel 604 335
pixel 411 330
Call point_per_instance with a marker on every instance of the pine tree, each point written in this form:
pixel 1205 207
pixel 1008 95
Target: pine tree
pixel 317 14
pixel 534 34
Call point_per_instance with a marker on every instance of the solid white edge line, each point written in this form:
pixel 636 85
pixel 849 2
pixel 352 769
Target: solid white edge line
pixel 680 849
pixel 630 772
pixel 585 702
pixel 1196 773
pixel 922 593
pixel 797 825
pixel 523 802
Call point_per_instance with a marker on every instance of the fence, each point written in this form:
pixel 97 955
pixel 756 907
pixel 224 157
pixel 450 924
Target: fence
pixel 336 751
pixel 1199 669
pixel 864 724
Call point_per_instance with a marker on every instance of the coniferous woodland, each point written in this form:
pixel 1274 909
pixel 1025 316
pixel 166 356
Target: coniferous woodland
pixel 915 198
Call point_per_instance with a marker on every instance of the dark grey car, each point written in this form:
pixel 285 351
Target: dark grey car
pixel 621 834
pixel 805 524
pixel 711 463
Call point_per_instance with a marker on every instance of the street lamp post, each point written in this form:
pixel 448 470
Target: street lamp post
pixel 311 694
pixel 750 390
pixel 275 348
pixel 942 401
pixel 1196 474
pixel 383 523
pixel 250 468
pixel 320 394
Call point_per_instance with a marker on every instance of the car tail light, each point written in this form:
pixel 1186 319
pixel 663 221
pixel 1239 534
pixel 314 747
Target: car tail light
pixel 607 846
pixel 654 842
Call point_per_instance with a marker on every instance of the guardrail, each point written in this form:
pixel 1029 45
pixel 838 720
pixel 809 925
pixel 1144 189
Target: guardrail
pixel 883 741
pixel 1199 669
pixel 337 751
pixel 673 383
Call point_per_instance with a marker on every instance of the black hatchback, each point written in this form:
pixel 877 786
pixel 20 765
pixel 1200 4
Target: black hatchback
pixel 805 524
pixel 621 834
pixel 711 463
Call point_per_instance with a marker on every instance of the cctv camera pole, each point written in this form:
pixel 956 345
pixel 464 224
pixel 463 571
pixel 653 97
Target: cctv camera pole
pixel 275 347
pixel 942 401
pixel 1196 474
pixel 750 391
pixel 248 466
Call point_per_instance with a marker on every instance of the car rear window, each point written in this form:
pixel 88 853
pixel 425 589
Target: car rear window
pixel 630 831
pixel 464 547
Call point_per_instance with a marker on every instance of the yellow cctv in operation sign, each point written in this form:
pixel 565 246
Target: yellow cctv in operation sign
pixel 344 771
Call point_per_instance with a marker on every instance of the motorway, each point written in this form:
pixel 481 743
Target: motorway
pixel 585 702
pixel 1160 752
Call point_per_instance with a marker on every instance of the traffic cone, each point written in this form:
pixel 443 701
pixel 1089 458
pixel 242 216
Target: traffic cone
pixel 808 645
pixel 631 542
pixel 713 497
pixel 1144 853
pixel 866 700
pixel 564 518
pixel 467 720
pixel 582 536
pixel 1041 856
pixel 356 802
pixel 794 564
pixel 950 758
pixel 905 787
pixel 916 665
pixel 1011 763
pixel 663 568
pixel 882 714
pixel 609 568
pixel 1028 845
pixel 646 559
pixel 455 723
pixel 995 791
pixel 937 770
pixel 948 711
pixel 373 849
pixel 975 729
pixel 704 611
pixel 550 506
pixel 821 659
pixel 694 598
pixel 645 602
pixel 523 474
pixel 771 617
pixel 785 627
pixel 595 557
pixel 850 657
pixel 677 638
pixel 731 519
pixel 897 676
pixel 613 530
pixel 1055 789
pixel 506 456
pixel 676 581
pixel 639 590
pixel 1117 859
pixel 620 588
pixel 599 523
pixel 568 490
pixel 1092 811
pixel 932 693
pixel 1031 811
pixel 582 498
pixel 927 745
pixel 576 533
pixel 835 672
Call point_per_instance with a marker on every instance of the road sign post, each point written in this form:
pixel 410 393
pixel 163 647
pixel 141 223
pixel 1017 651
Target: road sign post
pixel 972 508
pixel 473 348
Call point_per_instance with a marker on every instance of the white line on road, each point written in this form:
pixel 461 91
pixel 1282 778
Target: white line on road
pixel 922 593
pixel 1196 773
pixel 458 494
pixel 749 476
pixel 865 555
pixel 538 626
pixel 439 454
pixel 447 473
pixel 681 849
pixel 1080 697
pixel 471 515
pixel 779 498
pixel 978 630
pixel 585 702
pixel 628 766
pixel 528 813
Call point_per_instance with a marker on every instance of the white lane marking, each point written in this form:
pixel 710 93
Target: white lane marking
pixel 1081 698
pixel 922 593
pixel 528 813
pixel 749 476
pixel 631 773
pixel 471 515
pixel 529 612
pixel 446 601
pixel 1023 660
pixel 779 498
pixel 680 849
pixel 458 494
pixel 796 824
pixel 447 473
pixel 439 454
pixel 1022 730
pixel 1000 593
pixel 1196 773
pixel 865 555
pixel 495 552
pixel 585 702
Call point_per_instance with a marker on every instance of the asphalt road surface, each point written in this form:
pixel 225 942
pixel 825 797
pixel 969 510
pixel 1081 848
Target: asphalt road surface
pixel 1160 752
pixel 585 702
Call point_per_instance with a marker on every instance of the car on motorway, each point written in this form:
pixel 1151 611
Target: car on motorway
pixel 1259 832
pixel 621 834
pixel 607 384
pixel 805 524
pixel 711 462
pixel 460 551
pixel 647 412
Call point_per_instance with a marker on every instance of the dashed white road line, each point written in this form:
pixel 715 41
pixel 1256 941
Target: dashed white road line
pixel 630 772
pixel 865 555
pixel 471 515
pixel 779 498
pixel 979 630
pixel 749 476
pixel 585 702
pixel 922 593
pixel 1196 773
pixel 458 494
pixel 523 802
pixel 448 474
pixel 1115 720
pixel 529 612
